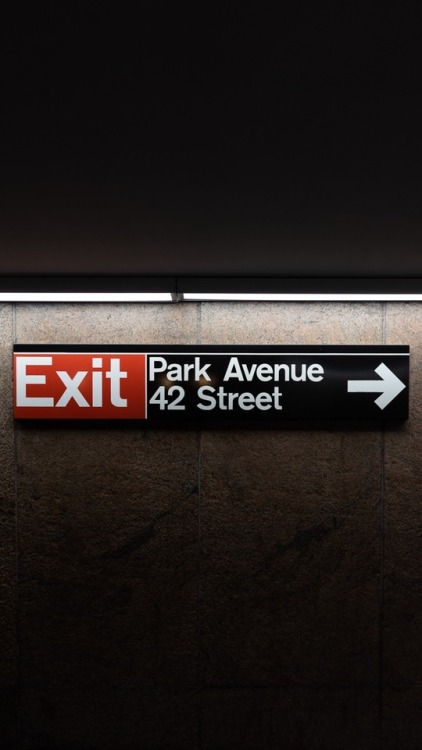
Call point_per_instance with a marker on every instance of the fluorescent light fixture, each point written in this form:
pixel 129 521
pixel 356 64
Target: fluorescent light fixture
pixel 85 297
pixel 291 297
pixel 86 289
pixel 272 289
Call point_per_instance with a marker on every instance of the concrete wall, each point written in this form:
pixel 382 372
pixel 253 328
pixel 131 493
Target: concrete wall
pixel 223 590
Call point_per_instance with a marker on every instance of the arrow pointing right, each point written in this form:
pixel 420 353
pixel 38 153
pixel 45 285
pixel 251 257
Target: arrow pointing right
pixel 390 386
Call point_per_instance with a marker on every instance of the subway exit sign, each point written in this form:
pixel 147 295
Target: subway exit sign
pixel 177 385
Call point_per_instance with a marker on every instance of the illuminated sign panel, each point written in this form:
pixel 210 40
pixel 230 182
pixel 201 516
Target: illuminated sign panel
pixel 211 384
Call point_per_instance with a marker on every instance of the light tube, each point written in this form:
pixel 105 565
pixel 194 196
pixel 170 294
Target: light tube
pixel 299 297
pixel 85 297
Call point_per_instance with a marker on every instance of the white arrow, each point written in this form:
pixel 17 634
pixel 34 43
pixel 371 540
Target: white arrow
pixel 390 386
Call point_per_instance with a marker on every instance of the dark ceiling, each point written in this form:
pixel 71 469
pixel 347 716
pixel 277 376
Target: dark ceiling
pixel 231 143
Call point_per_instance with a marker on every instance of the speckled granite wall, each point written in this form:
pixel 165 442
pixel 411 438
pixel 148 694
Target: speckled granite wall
pixel 223 590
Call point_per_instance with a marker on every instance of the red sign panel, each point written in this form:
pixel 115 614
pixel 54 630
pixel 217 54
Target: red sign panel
pixel 80 386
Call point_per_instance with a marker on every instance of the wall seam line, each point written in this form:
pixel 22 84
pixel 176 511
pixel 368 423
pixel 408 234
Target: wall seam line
pixel 382 552
pixel 199 592
pixel 17 595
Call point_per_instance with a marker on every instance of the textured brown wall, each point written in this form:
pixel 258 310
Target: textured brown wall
pixel 224 590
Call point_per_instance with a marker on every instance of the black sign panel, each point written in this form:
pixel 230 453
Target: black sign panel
pixel 213 384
